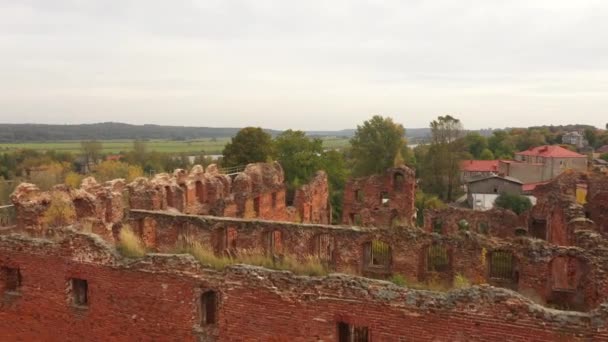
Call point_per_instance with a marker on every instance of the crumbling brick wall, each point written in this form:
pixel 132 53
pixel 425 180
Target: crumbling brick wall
pixel 166 303
pixel 381 200
pixel 468 253
pixel 311 201
pixel 257 192
pixel 495 222
pixel 98 206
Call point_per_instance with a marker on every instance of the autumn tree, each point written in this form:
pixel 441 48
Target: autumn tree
pixel 60 212
pixel 111 169
pixel 376 144
pixel 250 145
pixel 91 150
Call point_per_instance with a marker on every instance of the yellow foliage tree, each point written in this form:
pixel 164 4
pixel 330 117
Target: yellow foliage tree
pixel 72 179
pixel 111 169
pixel 59 213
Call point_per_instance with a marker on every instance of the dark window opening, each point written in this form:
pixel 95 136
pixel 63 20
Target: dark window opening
pixel 200 192
pixel 398 181
pixel 437 259
pixel 359 195
pixel 377 254
pixel 538 229
pixel 169 196
pixel 352 333
pixel 384 198
pixel 437 225
pixel 502 268
pixel 484 228
pixel 208 308
pixel 355 219
pixel 80 292
pixel 12 279
pixel 274 200
pixel 256 206
pixel 495 190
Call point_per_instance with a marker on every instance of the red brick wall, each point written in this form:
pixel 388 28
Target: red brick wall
pixel 469 252
pixel 399 209
pixel 157 299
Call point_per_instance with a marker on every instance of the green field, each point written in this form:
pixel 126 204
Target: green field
pixel 208 145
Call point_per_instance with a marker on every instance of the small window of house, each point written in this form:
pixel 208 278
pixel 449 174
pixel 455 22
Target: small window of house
pixel 208 308
pixel 11 278
pixel 80 290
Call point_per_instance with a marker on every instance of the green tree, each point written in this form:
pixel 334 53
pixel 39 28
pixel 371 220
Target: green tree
pixel 376 144
pixel 475 144
pixel 299 155
pixel 250 145
pixel 486 154
pixel 334 163
pixel 591 136
pixel 502 145
pixel 516 203
pixel 140 148
pixel 425 201
pixel 91 150
pixel 440 173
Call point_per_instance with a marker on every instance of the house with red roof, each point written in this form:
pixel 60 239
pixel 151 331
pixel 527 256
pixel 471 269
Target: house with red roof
pixel 470 169
pixel 541 164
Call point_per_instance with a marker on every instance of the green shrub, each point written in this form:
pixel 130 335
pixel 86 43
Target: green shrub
pixel 463 225
pixel 516 203
pixel 398 280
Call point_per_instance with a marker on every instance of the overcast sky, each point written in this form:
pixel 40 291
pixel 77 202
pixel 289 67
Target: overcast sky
pixel 313 64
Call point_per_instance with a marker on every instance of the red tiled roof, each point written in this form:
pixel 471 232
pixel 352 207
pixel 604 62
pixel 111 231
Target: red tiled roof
pixel 550 151
pixel 479 165
pixel 532 186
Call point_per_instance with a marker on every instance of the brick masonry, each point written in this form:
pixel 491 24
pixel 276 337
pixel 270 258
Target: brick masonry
pixel 253 304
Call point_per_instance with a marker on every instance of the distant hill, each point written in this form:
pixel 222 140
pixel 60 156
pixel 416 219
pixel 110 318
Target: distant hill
pixel 113 130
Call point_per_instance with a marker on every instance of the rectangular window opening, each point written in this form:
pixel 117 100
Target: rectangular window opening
pixel 351 333
pixel 80 288
pixel 12 279
pixel 208 308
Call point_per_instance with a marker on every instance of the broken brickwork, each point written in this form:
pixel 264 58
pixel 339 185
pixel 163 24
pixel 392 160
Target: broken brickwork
pixel 97 206
pixel 573 201
pixel 495 222
pixel 312 200
pixel 384 200
pixel 257 192
pixel 172 297
pixel 518 263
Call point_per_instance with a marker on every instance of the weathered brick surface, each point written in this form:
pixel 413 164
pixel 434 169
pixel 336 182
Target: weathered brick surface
pixel 469 253
pixel 257 192
pixel 156 298
pixel 100 205
pixel 381 200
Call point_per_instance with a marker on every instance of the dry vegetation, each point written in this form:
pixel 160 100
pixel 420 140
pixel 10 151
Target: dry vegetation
pixel 130 245
pixel 311 266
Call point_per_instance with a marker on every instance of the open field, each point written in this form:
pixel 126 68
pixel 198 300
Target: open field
pixel 206 145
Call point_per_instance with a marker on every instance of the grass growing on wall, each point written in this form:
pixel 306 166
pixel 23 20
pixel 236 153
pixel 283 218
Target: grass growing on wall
pixel 310 266
pixel 130 245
